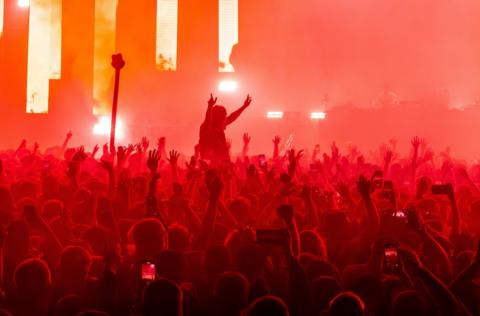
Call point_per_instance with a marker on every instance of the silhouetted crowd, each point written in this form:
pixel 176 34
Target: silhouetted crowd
pixel 137 230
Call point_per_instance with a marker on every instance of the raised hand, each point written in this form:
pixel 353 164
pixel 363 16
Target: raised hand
pixel 247 101
pixel 416 141
pixel 212 101
pixel 95 150
pixel 121 154
pixel 335 151
pixel 145 143
pixel 35 148
pixel 152 161
pixel 129 149
pixel 293 158
pixel 246 139
pixel 105 150
pixel 173 157
pixel 79 155
pixel 276 140
pixel 192 164
pixel 214 184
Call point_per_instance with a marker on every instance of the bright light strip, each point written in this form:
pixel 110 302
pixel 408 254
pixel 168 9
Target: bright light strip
pixel 2 5
pixel 228 32
pixel 44 51
pixel 318 115
pixel 274 114
pixel 103 126
pixel 104 47
pixel 227 86
pixel 167 25
pixel 23 3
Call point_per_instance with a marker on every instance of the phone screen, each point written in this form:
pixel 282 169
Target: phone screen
pixel 148 271
pixel 262 161
pixel 391 257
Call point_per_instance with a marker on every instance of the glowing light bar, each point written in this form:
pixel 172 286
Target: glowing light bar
pixel 228 32
pixel 103 125
pixel 2 5
pixel 227 86
pixel 167 27
pixel 104 47
pixel 24 3
pixel 44 51
pixel 274 114
pixel 318 115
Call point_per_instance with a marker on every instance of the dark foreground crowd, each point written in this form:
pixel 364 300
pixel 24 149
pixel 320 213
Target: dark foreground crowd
pixel 138 231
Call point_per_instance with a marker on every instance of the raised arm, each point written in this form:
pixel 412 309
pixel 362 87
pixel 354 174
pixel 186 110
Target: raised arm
pixel 234 116
pixel 211 103
pixel 214 185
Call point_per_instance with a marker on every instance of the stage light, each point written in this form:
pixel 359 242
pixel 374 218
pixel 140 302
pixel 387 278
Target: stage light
pixel 103 126
pixel 45 36
pixel 274 114
pixel 318 115
pixel 227 32
pixel 227 86
pixel 104 46
pixel 24 3
pixel 167 29
pixel 1 17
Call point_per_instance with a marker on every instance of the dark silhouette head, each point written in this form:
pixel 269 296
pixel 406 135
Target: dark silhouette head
pixel 230 293
pixel 162 297
pixel 268 306
pixel 408 303
pixel 346 304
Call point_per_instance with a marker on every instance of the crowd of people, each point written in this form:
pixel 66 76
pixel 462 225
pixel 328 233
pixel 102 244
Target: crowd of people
pixel 139 230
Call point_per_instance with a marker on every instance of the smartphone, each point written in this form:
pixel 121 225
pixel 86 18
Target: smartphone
pixel 391 256
pixel 148 271
pixel 262 161
pixel 377 179
pixel 400 214
pixel 272 236
pixel 440 189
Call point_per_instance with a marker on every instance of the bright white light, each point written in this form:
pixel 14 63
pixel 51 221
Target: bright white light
pixel 227 86
pixel 1 17
pixel 227 32
pixel 167 27
pixel 274 114
pixel 45 36
pixel 318 115
pixel 24 3
pixel 102 127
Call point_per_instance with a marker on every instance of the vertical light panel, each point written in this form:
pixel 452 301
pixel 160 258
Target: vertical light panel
pixel 1 17
pixel 167 25
pixel 44 56
pixel 56 39
pixel 104 47
pixel 228 32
